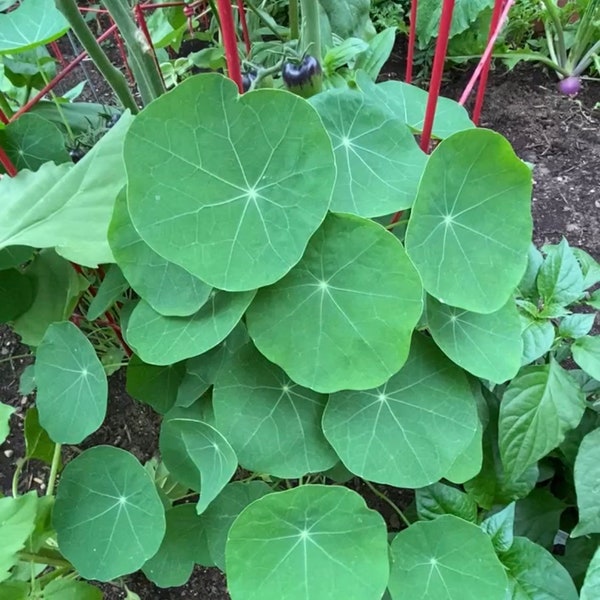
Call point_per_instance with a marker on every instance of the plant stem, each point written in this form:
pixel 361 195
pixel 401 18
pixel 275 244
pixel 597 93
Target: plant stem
pixel 53 470
pixel 388 501
pixel 5 106
pixel 558 30
pixel 145 70
pixel 250 4
pixel 15 480
pixel 41 559
pixel 113 76
pixel 293 19
pixel 311 32
pixel 586 61
pixel 14 357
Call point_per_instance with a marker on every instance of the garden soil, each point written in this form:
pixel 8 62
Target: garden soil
pixel 559 135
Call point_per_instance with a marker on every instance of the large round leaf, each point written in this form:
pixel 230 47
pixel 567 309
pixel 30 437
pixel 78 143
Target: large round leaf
pixel 470 226
pixel 445 559
pixel 161 340
pixel 378 161
pixel 17 292
pixel 343 317
pixel 488 346
pixel 409 431
pixel 230 187
pixel 273 424
pixel 313 541
pixel 168 288
pixel 72 390
pixel 108 515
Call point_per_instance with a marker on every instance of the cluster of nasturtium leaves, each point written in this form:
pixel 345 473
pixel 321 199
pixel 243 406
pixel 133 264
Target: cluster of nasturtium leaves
pixel 281 328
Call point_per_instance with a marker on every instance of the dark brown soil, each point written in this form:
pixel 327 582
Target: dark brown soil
pixel 558 134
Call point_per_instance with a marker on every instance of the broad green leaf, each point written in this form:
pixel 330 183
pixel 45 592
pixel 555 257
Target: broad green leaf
pixel 184 545
pixel 27 380
pixel 439 499
pixel 70 589
pixel 108 514
pixel 538 337
pixel 587 478
pixel 539 406
pixel 312 541
pixel 31 140
pixel 380 48
pixel 578 555
pixel 33 23
pixel 72 390
pixel 17 292
pixel 81 116
pixel 534 574
pixel 15 256
pixel 591 584
pixel 488 346
pixel 500 527
pixel 156 386
pixel 196 454
pixel 560 279
pixel 17 520
pixel 586 353
pixel 57 287
pixel 576 326
pixel 408 103
pixel 445 558
pixel 527 287
pixel 161 340
pixel 38 444
pixel 468 463
pixel 594 300
pixel 589 266
pixel 111 289
pixel 14 590
pixel 67 206
pixel 537 517
pixel 273 424
pixel 573 438
pixel 379 163
pixel 168 288
pixel 5 412
pixel 223 511
pixel 472 181
pixel 232 192
pixel 420 421
pixel 334 322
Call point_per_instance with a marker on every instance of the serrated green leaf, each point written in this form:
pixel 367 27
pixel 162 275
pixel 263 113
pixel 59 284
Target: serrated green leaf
pixel 223 511
pixel 161 340
pixel 445 558
pixel 257 174
pixel 168 288
pixel 72 389
pixel 111 289
pixel 70 589
pixel 472 180
pixel 560 279
pixel 273 424
pixel 324 539
pixel 586 353
pixel 534 574
pixel 576 326
pixel 488 346
pixel 405 420
pixel 439 499
pixel 587 476
pixel 5 412
pixel 500 527
pixel 378 161
pixel 184 545
pixel 17 292
pixel 591 585
pixel 196 454
pixel 37 441
pixel 537 517
pixel 539 406
pixel 108 515
pixel 333 322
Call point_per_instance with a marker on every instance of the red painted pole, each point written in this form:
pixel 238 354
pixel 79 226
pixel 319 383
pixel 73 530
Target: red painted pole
pixel 3 117
pixel 57 53
pixel 412 37
pixel 245 34
pixel 230 42
pixel 10 169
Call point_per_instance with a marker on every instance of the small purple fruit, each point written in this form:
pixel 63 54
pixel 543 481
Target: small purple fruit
pixel 570 86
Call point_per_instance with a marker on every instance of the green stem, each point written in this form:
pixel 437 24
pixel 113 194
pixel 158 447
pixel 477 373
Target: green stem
pixel 53 470
pixel 293 18
pixel 250 4
pixel 388 501
pixel 15 357
pixel 311 31
pixel 41 559
pixel 113 76
pixel 523 56
pixel 586 61
pixel 554 15
pixel 145 69
pixel 5 106
pixel 15 480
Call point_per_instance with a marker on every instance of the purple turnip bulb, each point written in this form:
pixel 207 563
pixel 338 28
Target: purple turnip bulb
pixel 570 86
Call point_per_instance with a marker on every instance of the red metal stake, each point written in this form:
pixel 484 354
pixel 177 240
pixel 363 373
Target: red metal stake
pixel 230 42
pixel 412 36
pixel 246 35
pixel 10 169
pixel 57 53
pixel 122 52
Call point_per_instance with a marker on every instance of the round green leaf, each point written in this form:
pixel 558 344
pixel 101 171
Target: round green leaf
pixel 444 559
pixel 230 189
pixel 378 161
pixel 273 424
pixel 343 317
pixel 488 346
pixel 470 226
pixel 16 294
pixel 196 454
pixel 72 390
pixel 586 353
pixel 587 486
pixel 168 288
pixel 161 340
pixel 420 420
pixel 108 515
pixel 223 511
pixel 312 541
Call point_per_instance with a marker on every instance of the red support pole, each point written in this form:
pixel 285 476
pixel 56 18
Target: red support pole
pixel 246 35
pixel 3 117
pixel 230 42
pixel 57 53
pixel 122 52
pixel 412 36
pixel 10 169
